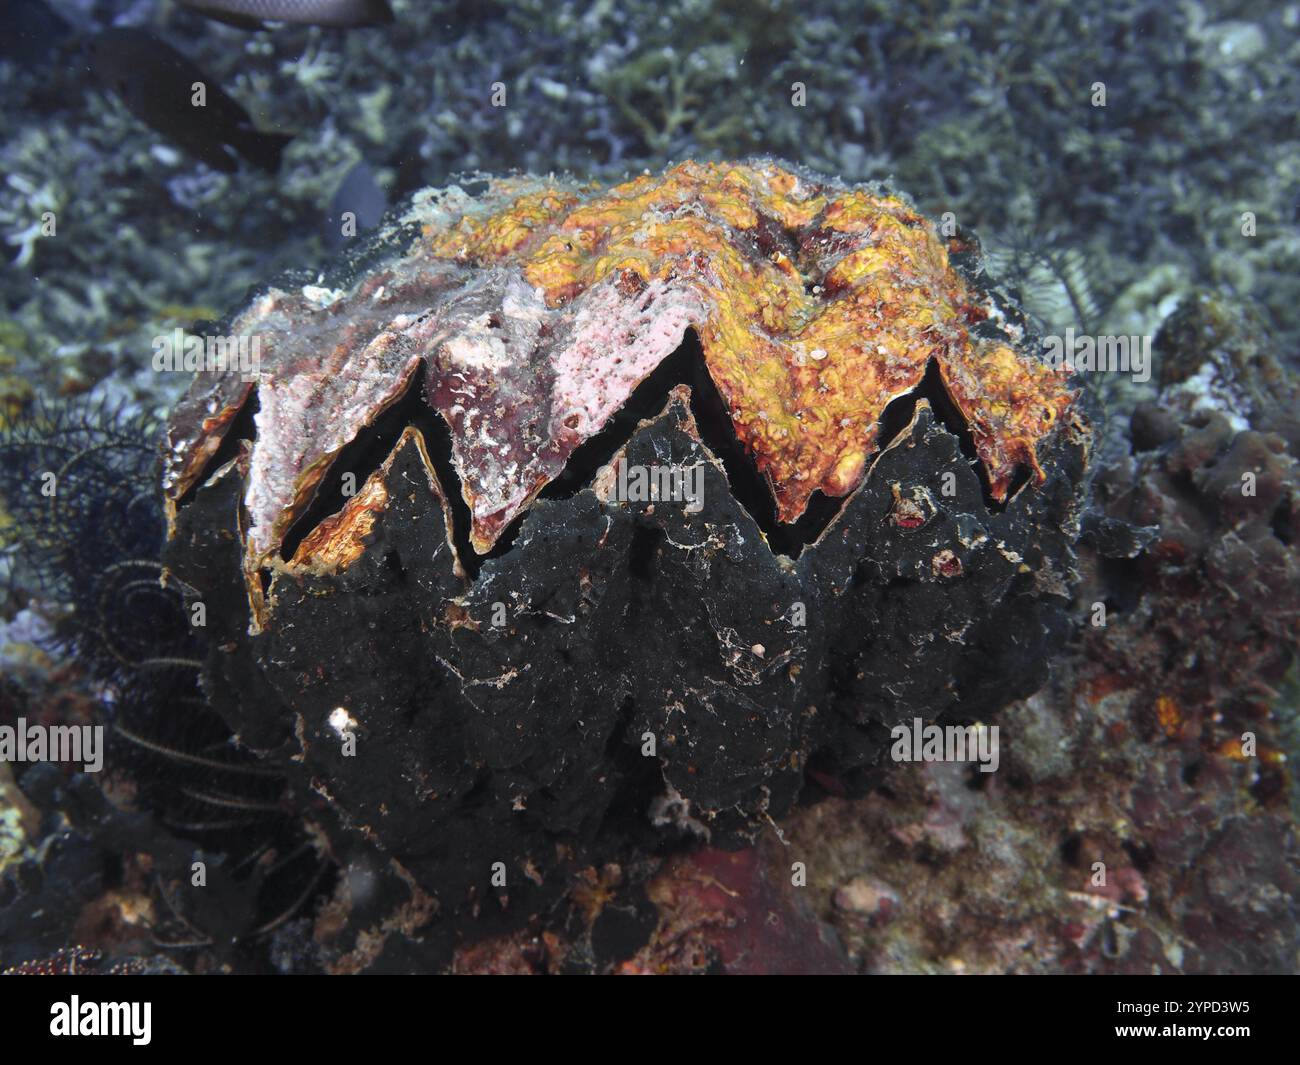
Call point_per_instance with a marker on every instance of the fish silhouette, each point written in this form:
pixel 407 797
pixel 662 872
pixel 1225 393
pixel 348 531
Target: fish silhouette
pixel 253 14
pixel 158 84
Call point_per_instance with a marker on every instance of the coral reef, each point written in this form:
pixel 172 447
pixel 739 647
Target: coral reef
pixel 1131 169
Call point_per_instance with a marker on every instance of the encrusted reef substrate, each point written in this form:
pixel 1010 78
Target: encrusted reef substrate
pixel 430 598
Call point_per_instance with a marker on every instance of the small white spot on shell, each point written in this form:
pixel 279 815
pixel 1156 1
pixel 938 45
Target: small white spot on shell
pixel 341 721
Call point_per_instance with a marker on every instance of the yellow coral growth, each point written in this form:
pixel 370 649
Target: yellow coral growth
pixel 825 304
